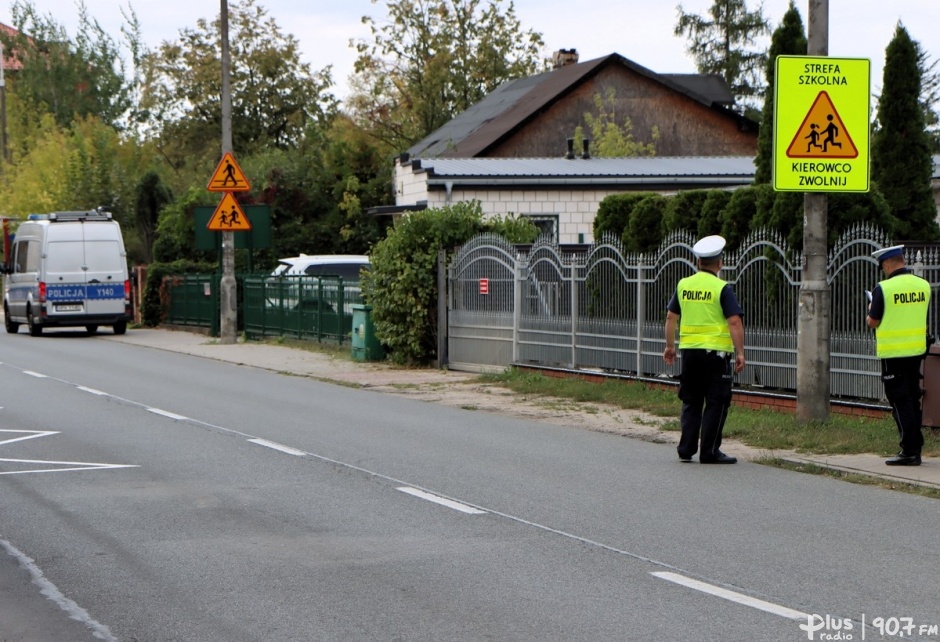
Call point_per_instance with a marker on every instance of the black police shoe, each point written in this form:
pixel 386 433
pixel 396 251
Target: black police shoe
pixel 903 460
pixel 685 458
pixel 718 458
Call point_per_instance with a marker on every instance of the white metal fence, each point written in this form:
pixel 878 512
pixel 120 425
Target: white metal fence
pixel 605 309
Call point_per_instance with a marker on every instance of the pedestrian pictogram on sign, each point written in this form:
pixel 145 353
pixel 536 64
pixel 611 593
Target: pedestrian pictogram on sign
pixel 228 176
pixel 822 133
pixel 229 217
pixel 484 286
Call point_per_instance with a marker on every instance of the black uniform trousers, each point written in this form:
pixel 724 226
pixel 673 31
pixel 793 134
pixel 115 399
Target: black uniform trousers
pixel 705 390
pixel 901 378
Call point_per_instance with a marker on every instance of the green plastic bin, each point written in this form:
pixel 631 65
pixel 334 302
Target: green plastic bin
pixel 365 345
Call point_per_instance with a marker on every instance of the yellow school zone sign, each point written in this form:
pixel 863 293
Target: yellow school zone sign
pixel 821 124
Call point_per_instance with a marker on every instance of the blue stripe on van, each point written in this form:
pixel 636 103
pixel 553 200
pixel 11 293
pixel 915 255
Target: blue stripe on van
pixel 82 291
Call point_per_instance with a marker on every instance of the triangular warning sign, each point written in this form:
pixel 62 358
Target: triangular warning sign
pixel 229 217
pixel 822 134
pixel 228 176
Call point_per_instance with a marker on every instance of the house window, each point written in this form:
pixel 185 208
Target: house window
pixel 547 224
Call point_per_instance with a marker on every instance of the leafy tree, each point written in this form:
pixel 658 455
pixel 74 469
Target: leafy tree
pixel 610 139
pixel 152 197
pixel 902 165
pixel 68 78
pixel 274 94
pixel 789 39
pixel 432 60
pixel 723 43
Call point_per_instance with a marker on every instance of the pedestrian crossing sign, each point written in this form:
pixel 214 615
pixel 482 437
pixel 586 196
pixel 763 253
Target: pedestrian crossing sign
pixel 228 176
pixel 229 217
pixel 822 134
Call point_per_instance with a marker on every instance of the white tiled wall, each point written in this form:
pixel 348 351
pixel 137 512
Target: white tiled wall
pixel 575 209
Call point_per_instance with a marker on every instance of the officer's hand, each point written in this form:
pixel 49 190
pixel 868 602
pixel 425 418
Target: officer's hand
pixel 739 362
pixel 669 356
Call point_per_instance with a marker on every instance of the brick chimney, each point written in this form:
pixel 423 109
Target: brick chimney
pixel 564 57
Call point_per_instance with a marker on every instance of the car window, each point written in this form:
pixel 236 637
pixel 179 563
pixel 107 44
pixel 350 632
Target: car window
pixel 348 271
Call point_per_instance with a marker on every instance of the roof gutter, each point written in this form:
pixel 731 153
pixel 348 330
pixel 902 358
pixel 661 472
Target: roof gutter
pixel 450 183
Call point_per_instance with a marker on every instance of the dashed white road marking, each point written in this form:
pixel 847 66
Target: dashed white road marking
pixel 35 374
pixel 277 446
pixel 443 501
pixel 93 391
pixel 733 596
pixel 166 413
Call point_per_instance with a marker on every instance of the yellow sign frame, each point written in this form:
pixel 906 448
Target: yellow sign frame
pixel 803 83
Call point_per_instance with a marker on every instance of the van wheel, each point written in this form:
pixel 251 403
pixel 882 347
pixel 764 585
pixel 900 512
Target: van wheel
pixel 35 329
pixel 91 329
pixel 120 327
pixel 12 326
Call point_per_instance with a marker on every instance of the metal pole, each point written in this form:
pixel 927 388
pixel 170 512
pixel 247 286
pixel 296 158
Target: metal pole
pixel 812 362
pixel 228 291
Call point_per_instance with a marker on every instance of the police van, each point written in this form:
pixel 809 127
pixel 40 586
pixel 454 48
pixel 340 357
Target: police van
pixel 67 269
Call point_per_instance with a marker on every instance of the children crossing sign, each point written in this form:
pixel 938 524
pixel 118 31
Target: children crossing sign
pixel 821 124
pixel 229 217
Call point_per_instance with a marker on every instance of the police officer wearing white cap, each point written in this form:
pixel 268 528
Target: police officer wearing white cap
pixel 711 338
pixel 898 314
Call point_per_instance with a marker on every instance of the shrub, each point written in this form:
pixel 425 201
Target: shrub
pixel 613 213
pixel 402 285
pixel 644 231
pixel 153 308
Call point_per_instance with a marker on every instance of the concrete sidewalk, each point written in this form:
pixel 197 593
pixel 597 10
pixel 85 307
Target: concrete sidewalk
pixel 383 376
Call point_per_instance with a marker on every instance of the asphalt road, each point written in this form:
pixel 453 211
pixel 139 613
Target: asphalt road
pixel 147 495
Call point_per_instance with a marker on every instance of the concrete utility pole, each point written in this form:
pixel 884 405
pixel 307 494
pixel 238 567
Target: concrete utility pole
pixel 228 290
pixel 812 361
pixel 3 109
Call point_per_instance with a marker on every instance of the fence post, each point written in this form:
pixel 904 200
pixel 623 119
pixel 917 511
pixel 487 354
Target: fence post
pixel 442 287
pixel 574 313
pixel 518 277
pixel 640 313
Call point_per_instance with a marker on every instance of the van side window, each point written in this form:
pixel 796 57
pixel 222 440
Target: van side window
pixel 20 252
pixel 33 254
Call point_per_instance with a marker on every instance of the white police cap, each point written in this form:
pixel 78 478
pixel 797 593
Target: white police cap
pixel 709 247
pixel 888 253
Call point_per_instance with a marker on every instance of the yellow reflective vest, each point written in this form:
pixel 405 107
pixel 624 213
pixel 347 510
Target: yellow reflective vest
pixel 903 328
pixel 702 323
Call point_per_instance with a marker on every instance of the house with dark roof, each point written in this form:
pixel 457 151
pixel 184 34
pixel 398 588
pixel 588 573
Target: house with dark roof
pixel 511 151
pixel 10 62
pixel 533 117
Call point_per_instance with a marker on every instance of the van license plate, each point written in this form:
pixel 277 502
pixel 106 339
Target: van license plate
pixel 68 308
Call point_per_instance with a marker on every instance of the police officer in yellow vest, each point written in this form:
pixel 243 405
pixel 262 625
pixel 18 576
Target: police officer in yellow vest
pixel 898 314
pixel 711 337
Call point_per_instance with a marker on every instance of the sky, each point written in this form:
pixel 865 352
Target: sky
pixel 640 30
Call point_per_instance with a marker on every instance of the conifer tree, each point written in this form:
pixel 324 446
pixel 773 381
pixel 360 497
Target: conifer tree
pixel 901 164
pixel 789 39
